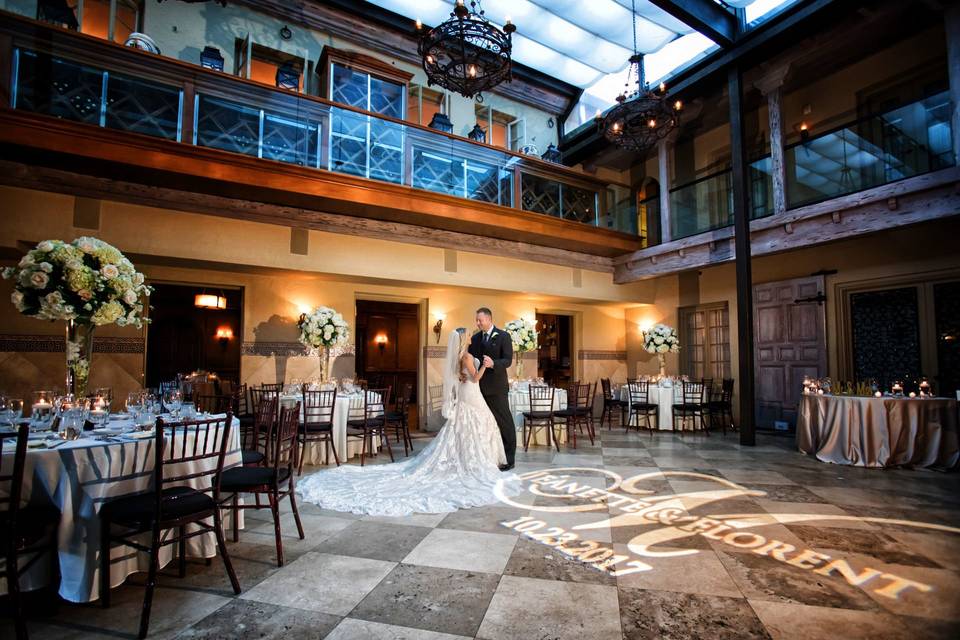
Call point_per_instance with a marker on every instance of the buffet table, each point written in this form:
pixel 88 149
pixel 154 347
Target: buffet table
pixel 77 477
pixel 879 432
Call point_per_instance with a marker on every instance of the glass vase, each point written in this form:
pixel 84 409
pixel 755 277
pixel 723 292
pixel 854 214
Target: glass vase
pixel 662 359
pixel 324 364
pixel 79 351
pixel 520 366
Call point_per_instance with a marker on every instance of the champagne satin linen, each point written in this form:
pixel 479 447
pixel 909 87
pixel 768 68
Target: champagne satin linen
pixel 879 432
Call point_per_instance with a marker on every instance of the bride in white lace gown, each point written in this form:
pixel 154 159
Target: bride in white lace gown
pixel 457 470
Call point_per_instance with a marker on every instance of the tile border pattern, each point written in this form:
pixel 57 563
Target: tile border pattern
pixel 620 356
pixel 25 343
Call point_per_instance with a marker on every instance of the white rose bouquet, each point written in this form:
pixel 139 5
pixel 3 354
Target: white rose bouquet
pixel 322 329
pixel 523 334
pixel 661 339
pixel 88 283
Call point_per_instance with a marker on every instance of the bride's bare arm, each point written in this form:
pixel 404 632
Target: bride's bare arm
pixel 472 369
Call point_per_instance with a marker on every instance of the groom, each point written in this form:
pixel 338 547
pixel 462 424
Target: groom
pixel 495 349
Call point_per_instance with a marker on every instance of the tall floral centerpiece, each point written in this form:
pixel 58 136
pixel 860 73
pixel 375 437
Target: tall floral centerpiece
pixel 523 334
pixel 320 330
pixel 661 339
pixel 88 283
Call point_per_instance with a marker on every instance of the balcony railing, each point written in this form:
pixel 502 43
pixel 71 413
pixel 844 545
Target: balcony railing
pixel 707 203
pixel 908 141
pixel 211 109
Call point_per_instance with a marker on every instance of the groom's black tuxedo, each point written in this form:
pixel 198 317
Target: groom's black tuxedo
pixel 494 384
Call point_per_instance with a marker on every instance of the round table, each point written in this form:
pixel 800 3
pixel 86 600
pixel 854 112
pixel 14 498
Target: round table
pixel 664 398
pixel 879 432
pixel 347 407
pixel 77 477
pixel 519 399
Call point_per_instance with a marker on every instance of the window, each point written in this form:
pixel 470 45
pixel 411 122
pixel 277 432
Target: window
pixel 108 19
pixel 364 82
pixel 262 64
pixel 705 330
pixel 503 130
pixel 423 103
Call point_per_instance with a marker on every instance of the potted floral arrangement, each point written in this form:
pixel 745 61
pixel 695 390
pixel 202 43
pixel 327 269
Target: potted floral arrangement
pixel 88 283
pixel 661 339
pixel 523 334
pixel 320 330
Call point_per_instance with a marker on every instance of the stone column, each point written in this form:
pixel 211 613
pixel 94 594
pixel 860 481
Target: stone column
pixel 663 157
pixel 771 86
pixel 951 24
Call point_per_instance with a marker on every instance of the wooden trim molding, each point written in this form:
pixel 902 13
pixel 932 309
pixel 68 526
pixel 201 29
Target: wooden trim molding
pixel 931 196
pixel 31 343
pixel 619 356
pixel 434 352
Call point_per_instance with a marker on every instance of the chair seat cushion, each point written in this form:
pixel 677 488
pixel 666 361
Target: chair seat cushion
pixel 687 407
pixel 570 413
pixel 250 456
pixel 396 416
pixel 177 503
pixel 720 404
pixel 365 424
pixel 614 402
pixel 237 479
pixel 537 415
pixel 317 427
pixel 644 406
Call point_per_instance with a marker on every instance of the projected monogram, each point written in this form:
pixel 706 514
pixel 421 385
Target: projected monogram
pixel 639 507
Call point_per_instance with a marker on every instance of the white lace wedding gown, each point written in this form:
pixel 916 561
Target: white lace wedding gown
pixel 457 470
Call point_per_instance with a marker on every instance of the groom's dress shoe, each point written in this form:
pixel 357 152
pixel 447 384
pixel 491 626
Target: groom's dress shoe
pixel 506 467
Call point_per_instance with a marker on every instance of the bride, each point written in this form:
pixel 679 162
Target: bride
pixel 458 469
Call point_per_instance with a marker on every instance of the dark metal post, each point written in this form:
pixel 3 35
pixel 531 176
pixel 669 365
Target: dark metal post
pixel 741 226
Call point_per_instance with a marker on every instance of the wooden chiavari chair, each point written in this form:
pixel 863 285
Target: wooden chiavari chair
pixel 398 419
pixel 693 405
pixel 578 412
pixel 373 423
pixel 317 426
pixel 639 405
pixel 611 405
pixel 540 416
pixel 721 408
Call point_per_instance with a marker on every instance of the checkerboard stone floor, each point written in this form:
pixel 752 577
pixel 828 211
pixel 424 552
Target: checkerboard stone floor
pixel 464 575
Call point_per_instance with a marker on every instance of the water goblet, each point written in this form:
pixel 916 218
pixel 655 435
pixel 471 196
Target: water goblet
pixel 172 400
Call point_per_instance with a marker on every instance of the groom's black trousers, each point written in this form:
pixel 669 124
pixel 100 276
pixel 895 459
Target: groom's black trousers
pixel 500 408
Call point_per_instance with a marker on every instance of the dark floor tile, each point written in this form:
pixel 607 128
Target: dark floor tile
pixel 870 543
pixel 532 559
pixel 631 461
pixel 248 619
pixel 484 519
pixel 664 615
pixel 765 578
pixel 443 600
pixel 786 493
pixel 375 540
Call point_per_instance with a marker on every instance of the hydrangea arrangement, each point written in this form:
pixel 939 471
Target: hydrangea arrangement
pixel 523 334
pixel 88 283
pixel 87 280
pixel 322 327
pixel 661 339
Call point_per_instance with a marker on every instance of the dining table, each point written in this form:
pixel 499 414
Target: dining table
pixel 519 400
pixel 349 406
pixel 879 432
pixel 662 395
pixel 77 477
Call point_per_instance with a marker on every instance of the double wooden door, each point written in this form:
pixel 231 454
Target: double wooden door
pixel 789 343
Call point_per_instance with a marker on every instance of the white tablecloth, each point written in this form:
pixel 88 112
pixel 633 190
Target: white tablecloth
pixel 519 398
pixel 347 407
pixel 77 477
pixel 664 397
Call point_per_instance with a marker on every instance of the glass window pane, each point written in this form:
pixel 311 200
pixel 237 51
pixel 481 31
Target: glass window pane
pixel 387 98
pixel 143 107
pixel 349 87
pixel 540 194
pixel 58 88
pixel 222 124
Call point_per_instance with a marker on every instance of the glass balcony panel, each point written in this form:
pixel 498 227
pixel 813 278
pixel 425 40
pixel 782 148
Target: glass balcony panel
pixel 905 142
pixel 58 88
pixel 227 125
pixel 387 98
pixel 143 107
pixel 701 206
pixel 578 204
pixel 540 195
pixel 438 173
pixel 349 87
pixel 483 183
pixel 760 177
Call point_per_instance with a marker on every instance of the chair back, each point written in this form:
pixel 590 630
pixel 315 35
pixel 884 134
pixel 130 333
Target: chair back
pixel 285 443
pixel 11 484
pixel 693 392
pixel 403 398
pixel 214 403
pixel 579 396
pixel 257 396
pixel 541 398
pixel 375 404
pixel 360 382
pixel 318 407
pixel 270 386
pixel 241 401
pixel 263 418
pixel 188 452
pixel 707 389
pixel 726 390
pixel 639 391
pixel 607 388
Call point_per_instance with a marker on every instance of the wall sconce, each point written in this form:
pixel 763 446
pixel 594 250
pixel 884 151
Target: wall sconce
pixel 209 301
pixel 224 335
pixel 804 131
pixel 381 341
pixel 437 328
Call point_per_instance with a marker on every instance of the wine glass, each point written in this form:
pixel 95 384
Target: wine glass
pixel 11 409
pixel 134 403
pixel 172 400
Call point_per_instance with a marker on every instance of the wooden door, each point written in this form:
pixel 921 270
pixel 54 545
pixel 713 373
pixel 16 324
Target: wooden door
pixel 790 343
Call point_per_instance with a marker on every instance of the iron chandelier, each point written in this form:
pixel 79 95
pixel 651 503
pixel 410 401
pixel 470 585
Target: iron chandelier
pixel 643 117
pixel 467 53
